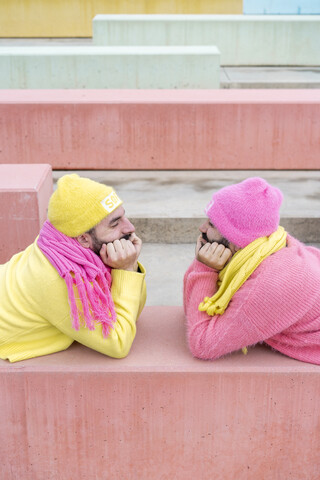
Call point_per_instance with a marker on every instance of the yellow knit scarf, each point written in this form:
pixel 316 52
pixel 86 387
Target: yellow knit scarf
pixel 242 265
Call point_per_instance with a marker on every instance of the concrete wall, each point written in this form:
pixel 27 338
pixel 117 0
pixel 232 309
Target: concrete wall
pixel 242 40
pixel 24 195
pixel 82 67
pixel 72 18
pixel 123 129
pixel 159 413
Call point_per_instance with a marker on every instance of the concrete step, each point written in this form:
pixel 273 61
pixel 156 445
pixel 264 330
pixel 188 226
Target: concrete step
pixel 230 77
pixel 166 265
pixel 168 206
pixel 159 413
pixel 241 39
pixel 24 195
pixel 98 67
pixel 270 77
pixel 161 129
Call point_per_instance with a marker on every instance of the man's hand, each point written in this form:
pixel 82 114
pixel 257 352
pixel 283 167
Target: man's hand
pixel 212 254
pixel 122 254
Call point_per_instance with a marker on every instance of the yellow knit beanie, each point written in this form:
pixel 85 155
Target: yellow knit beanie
pixel 79 204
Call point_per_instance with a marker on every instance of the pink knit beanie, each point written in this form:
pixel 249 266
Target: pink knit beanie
pixel 245 211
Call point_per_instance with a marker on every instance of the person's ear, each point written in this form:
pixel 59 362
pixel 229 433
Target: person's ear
pixel 84 240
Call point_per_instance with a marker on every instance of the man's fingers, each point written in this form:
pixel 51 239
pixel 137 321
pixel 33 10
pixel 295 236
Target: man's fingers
pixel 137 242
pixel 134 238
pixel 198 245
pixel 226 255
pixel 110 249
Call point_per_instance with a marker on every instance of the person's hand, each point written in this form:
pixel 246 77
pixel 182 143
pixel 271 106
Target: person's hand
pixel 122 254
pixel 213 255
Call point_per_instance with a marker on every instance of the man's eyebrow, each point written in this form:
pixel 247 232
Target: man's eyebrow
pixel 114 220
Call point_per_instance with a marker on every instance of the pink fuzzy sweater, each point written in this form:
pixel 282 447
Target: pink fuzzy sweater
pixel 279 304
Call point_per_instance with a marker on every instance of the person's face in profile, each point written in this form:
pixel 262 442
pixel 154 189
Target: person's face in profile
pixel 114 227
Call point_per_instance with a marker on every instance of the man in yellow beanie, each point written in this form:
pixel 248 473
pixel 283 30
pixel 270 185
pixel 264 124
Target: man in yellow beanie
pixel 80 279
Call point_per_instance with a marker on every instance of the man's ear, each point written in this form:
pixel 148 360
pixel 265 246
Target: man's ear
pixel 84 240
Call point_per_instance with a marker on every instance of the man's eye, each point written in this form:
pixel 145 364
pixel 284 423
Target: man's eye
pixel 115 225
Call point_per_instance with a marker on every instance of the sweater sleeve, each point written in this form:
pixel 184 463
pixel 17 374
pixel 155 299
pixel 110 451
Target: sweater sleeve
pixel 254 314
pixel 128 291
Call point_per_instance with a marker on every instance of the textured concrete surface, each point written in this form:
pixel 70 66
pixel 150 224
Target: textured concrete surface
pixel 159 413
pixel 241 39
pixel 161 129
pixel 82 67
pixel 270 77
pixel 230 77
pixel 24 195
pixel 168 206
pixel 166 265
pixel 58 18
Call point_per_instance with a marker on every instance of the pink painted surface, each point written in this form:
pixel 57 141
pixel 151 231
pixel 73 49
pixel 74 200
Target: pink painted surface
pixel 161 129
pixel 159 413
pixel 24 194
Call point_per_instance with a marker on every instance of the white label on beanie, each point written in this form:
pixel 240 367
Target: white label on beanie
pixel 111 202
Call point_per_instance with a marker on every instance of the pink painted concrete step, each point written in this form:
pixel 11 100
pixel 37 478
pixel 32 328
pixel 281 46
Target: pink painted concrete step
pixel 24 194
pixel 161 129
pixel 159 413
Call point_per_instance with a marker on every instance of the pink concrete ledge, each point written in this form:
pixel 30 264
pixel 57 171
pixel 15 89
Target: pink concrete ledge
pixel 161 129
pixel 159 413
pixel 24 195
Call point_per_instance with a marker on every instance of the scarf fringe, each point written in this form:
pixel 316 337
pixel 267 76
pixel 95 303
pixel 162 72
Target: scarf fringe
pixel 84 271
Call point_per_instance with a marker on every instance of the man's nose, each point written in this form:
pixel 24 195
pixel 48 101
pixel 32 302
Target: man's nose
pixel 128 226
pixel 203 227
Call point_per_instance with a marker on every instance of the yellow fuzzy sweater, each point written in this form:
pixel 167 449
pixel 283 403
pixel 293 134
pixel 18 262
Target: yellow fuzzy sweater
pixel 35 313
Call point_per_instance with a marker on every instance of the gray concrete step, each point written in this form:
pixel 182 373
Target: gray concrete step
pixel 270 77
pixel 230 77
pixel 166 265
pixel 168 206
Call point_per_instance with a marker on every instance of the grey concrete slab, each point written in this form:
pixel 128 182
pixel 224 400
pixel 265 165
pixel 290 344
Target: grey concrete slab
pixel 168 206
pixel 271 77
pixel 230 77
pixel 224 79
pixel 166 265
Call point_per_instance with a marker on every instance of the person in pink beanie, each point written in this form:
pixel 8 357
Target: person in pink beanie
pixel 250 281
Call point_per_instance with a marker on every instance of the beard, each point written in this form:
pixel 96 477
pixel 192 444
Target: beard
pixel 97 243
pixel 223 241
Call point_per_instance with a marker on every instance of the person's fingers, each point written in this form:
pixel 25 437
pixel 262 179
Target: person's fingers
pixel 110 249
pixel 134 238
pixel 124 242
pixel 137 242
pixel 212 247
pixel 103 253
pixel 226 255
pixel 199 244
pixel 219 249
pixel 117 245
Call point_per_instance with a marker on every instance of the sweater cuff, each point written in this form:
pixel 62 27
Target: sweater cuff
pixel 141 269
pixel 201 267
pixel 127 282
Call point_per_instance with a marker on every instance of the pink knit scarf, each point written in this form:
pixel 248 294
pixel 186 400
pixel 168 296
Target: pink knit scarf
pixel 81 267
